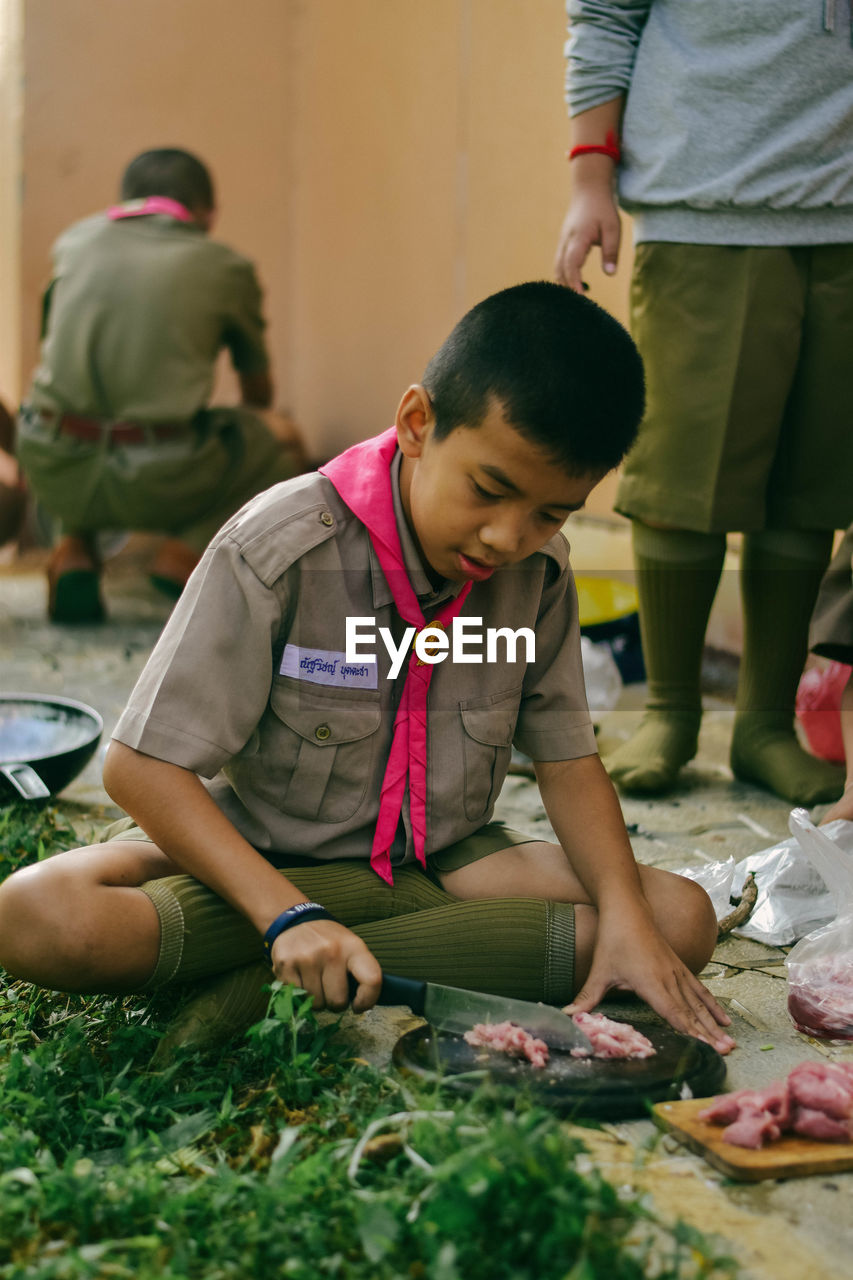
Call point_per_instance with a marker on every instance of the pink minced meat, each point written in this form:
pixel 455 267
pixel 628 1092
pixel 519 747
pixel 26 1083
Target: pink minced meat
pixel 816 1101
pixel 509 1038
pixel 610 1039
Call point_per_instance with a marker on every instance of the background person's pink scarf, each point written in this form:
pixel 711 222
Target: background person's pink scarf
pixel 362 477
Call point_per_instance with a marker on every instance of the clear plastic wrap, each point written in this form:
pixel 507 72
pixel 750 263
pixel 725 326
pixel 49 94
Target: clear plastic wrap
pixel 601 677
pixel 820 966
pixel 793 898
pixel 717 879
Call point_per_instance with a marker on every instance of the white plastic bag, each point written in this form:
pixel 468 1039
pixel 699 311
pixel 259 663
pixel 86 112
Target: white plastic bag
pixel 793 898
pixel 716 878
pixel 820 967
pixel 601 677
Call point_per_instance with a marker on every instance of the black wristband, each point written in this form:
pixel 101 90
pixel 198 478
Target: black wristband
pixel 293 915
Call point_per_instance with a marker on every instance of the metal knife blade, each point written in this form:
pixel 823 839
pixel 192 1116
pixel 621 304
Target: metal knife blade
pixel 457 1009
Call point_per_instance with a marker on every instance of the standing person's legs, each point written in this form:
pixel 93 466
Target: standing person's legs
pixel 719 330
pixel 677 572
pixel 781 571
pixel 809 495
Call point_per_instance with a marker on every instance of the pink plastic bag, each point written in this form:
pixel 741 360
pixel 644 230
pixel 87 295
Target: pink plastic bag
pixel 819 709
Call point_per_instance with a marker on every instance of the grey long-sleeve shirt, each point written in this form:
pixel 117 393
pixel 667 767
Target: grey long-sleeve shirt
pixel 738 125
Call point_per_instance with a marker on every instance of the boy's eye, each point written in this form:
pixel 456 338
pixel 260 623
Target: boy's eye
pixel 485 494
pixel 549 517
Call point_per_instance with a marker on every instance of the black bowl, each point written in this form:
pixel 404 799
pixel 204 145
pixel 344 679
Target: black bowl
pixel 53 737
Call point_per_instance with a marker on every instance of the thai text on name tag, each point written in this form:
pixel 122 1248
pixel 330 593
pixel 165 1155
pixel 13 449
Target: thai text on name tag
pixel 326 666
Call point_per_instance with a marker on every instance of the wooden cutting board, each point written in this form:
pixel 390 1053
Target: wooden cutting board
pixel 790 1157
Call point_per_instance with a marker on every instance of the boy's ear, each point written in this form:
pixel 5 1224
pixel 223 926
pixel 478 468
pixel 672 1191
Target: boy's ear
pixel 414 421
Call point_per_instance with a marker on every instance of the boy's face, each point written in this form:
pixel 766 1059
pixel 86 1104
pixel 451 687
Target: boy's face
pixel 482 497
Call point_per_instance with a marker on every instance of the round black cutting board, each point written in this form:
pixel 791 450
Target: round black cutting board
pixel 605 1089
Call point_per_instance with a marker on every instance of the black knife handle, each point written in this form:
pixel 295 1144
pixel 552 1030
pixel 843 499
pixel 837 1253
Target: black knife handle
pixel 396 990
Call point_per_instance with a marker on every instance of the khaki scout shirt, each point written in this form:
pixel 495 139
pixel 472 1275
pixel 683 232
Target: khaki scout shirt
pixel 135 314
pixel 247 685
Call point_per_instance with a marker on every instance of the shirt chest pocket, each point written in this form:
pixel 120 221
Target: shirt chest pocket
pixel 323 751
pixel 489 725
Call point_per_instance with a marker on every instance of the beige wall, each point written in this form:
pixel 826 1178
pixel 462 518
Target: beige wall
pixel 10 199
pixel 385 162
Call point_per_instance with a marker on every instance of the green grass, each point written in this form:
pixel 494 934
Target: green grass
pixel 282 1157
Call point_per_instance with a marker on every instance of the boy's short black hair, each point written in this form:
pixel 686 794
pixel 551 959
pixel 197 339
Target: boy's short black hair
pixel 567 374
pixel 168 171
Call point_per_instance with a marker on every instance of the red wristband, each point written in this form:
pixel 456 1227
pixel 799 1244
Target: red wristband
pixel 610 147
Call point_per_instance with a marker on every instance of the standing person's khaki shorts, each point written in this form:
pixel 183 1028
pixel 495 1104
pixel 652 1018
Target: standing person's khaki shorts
pixel 749 419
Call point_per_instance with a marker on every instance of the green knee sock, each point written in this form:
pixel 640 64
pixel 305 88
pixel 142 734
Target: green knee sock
pixel 677 576
pixel 781 571
pixel 521 947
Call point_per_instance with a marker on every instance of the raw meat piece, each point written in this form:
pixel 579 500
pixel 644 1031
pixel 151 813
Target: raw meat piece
pixel 611 1039
pixel 822 1086
pixel 820 997
pixel 817 1124
pixel 816 1101
pixel 771 1101
pixel 751 1128
pixel 509 1038
pixel 725 1109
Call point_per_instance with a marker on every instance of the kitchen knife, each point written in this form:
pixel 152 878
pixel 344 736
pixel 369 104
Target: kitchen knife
pixel 456 1009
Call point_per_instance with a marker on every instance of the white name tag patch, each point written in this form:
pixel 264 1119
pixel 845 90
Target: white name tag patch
pixel 325 666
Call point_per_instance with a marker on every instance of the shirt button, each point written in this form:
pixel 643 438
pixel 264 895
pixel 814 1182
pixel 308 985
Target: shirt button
pixel 327 518
pixel 322 732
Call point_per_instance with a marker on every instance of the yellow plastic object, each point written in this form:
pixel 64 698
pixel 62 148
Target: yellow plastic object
pixel 604 600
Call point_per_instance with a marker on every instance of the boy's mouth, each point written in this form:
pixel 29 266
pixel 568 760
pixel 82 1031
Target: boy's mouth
pixel 476 569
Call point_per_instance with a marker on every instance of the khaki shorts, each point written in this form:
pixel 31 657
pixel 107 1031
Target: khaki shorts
pixel 489 839
pixel 200 934
pixel 749 420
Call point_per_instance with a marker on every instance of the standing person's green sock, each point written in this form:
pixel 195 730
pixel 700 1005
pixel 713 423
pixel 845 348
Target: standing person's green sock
pixel 677 576
pixel 781 571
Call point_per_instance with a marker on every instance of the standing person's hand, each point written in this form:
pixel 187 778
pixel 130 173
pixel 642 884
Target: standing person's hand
pixel 592 219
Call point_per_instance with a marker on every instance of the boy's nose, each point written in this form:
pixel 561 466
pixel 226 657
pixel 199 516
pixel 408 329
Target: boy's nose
pixel 503 536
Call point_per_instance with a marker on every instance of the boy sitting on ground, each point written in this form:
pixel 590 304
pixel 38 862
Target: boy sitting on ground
pixel 346 825
pixel 114 432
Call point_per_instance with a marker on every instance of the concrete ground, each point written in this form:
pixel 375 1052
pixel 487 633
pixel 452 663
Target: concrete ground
pixel 795 1229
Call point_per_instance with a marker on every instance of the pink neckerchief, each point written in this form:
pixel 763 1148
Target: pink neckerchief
pixel 151 204
pixel 362 477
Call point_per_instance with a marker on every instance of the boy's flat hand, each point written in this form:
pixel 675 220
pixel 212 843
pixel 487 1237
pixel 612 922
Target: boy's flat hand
pixel 318 955
pixel 639 959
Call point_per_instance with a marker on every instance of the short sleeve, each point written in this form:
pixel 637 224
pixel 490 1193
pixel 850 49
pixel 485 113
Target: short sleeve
pixel 206 685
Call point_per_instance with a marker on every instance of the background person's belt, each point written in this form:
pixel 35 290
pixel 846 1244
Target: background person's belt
pixel 96 429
